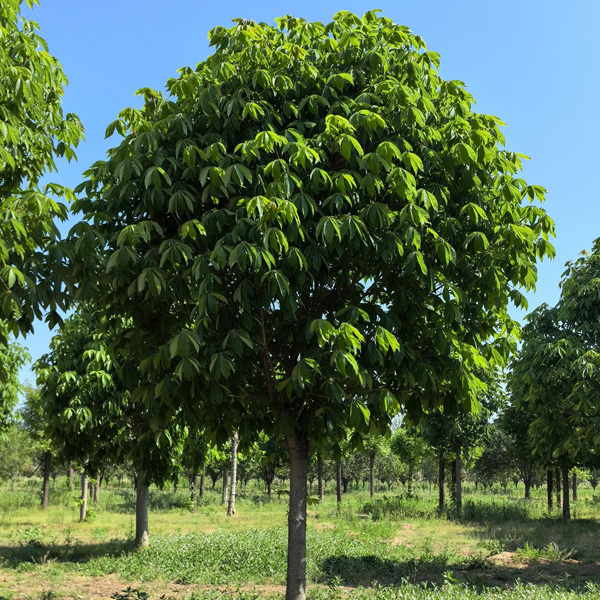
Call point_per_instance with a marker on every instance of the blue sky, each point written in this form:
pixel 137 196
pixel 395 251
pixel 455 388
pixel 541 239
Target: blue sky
pixel 533 63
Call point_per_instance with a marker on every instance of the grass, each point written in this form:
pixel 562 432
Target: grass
pixel 503 548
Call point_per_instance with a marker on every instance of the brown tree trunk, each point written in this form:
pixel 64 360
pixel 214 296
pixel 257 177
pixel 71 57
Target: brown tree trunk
pixel 574 486
pixel 410 479
pixel 84 497
pixel 70 477
pixel 142 535
pixel 224 487
pixel 372 473
pixel 202 480
pixel 527 482
pixel 338 482
pixel 566 512
pixel 320 476
pixel 231 505
pixel 441 483
pixel 296 563
pixel 195 494
pixel 557 480
pixel 549 490
pixel 46 482
pixel 97 491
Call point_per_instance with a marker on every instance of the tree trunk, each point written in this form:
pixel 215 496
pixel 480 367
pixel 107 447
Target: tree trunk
pixel 142 535
pixel 372 473
pixel 338 482
pixel 224 487
pixel 410 479
pixel 557 480
pixel 296 563
pixel 84 497
pixel 458 483
pixel 97 491
pixel 441 483
pixel 46 482
pixel 527 482
pixel 574 486
pixel 70 477
pixel 549 484
pixel 566 513
pixel 202 479
pixel 195 494
pixel 231 505
pixel 320 476
pixel 269 489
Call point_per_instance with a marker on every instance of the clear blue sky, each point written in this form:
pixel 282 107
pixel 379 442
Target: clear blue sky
pixel 533 63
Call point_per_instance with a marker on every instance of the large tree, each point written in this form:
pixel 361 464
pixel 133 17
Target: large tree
pixel 34 132
pixel 312 230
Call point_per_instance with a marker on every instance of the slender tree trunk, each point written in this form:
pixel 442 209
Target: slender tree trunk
pixel 224 487
pixel 70 477
pixel 566 513
pixel 296 563
pixel 410 479
pixel 441 483
pixel 231 505
pixel 338 482
pixel 557 480
pixel 458 483
pixel 195 494
pixel 269 489
pixel 527 482
pixel 549 485
pixel 202 480
pixel 574 486
pixel 84 497
pixel 142 535
pixel 46 482
pixel 97 491
pixel 320 476
pixel 372 473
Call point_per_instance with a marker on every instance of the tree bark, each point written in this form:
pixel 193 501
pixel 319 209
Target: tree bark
pixel 549 485
pixel 231 505
pixel 441 483
pixel 195 494
pixel 557 480
pixel 296 563
pixel 320 477
pixel 202 480
pixel 142 535
pixel 97 491
pixel 70 477
pixel 410 479
pixel 338 482
pixel 527 482
pixel 372 473
pixel 46 482
pixel 269 489
pixel 84 497
pixel 566 513
pixel 574 486
pixel 224 487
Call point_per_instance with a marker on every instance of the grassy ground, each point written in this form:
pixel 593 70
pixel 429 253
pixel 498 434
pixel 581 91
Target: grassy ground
pixel 504 548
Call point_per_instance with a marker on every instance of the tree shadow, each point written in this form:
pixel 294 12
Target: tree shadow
pixel 368 570
pixel 40 554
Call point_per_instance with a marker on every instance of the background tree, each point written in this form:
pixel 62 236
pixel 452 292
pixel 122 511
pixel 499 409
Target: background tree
pixel 34 132
pixel 409 446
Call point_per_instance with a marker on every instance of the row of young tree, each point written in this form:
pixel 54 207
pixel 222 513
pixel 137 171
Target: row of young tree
pixel 311 233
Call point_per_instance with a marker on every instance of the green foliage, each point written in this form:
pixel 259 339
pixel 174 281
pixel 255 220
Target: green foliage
pixel 12 358
pixel 33 134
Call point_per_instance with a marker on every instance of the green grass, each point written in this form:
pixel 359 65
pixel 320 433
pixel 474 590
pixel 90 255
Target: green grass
pixel 503 548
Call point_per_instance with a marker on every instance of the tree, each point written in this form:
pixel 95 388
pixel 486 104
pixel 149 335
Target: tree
pixel 409 446
pixel 313 230
pixel 12 358
pixel 34 132
pixel 16 453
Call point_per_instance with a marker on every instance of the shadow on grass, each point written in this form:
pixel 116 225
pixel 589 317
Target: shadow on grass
pixel 366 571
pixel 15 556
